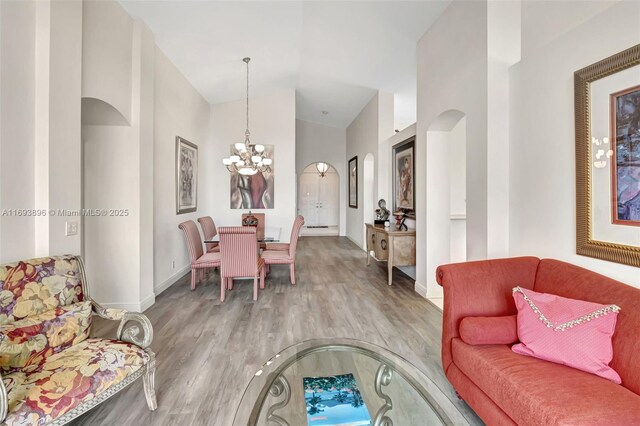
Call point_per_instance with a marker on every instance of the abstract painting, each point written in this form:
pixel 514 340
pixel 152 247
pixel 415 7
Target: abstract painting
pixel 404 177
pixel 256 191
pixel 186 176
pixel 625 170
pixel 353 182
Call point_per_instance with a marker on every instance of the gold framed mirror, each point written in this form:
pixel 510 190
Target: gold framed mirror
pixel 607 120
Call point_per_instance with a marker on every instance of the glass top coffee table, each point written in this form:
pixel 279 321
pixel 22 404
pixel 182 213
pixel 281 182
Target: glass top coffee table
pixel 392 390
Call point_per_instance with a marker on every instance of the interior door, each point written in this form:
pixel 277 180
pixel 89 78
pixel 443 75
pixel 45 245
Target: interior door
pixel 328 199
pixel 308 196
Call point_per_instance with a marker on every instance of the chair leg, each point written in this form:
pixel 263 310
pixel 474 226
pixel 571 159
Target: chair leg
pixel 262 277
pixel 255 287
pixel 292 273
pixel 223 285
pixel 193 279
pixel 229 283
pixel 148 380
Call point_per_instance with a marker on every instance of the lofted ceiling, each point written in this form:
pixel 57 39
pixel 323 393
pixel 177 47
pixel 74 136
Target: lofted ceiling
pixel 336 54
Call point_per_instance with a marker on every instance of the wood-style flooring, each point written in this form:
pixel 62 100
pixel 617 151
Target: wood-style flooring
pixel 208 351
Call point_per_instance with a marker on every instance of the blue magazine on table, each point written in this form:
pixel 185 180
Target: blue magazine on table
pixel 334 401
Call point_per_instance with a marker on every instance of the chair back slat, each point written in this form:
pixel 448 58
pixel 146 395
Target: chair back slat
pixel 295 233
pixel 239 250
pixel 208 230
pixel 192 238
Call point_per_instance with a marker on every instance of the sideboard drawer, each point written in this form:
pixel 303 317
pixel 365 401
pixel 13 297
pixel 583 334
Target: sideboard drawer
pixel 382 246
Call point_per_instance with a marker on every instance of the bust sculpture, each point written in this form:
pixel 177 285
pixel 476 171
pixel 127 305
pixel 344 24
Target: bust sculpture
pixel 382 213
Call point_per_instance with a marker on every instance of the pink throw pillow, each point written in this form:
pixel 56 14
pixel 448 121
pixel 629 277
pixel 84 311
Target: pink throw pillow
pixel 566 331
pixel 489 330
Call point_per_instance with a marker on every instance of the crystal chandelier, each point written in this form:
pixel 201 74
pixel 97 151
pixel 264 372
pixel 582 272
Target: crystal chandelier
pixel 248 159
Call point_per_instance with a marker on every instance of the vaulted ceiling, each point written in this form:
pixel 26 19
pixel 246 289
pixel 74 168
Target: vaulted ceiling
pixel 335 54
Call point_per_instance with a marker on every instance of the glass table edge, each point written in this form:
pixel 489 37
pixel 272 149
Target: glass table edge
pixel 297 351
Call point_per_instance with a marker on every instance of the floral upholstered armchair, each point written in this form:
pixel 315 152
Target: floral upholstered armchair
pixel 52 372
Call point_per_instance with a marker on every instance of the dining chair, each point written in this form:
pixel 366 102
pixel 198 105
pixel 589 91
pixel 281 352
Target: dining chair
pixel 208 227
pixel 240 258
pixel 260 228
pixel 286 257
pixel 200 261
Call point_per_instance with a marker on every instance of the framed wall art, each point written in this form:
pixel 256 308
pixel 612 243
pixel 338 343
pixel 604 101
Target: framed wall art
pixel 625 156
pixel 353 182
pixel 404 171
pixel 186 176
pixel 607 122
pixel 253 191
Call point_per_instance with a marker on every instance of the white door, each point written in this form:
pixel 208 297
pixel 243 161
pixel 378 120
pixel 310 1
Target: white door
pixel 308 196
pixel 328 199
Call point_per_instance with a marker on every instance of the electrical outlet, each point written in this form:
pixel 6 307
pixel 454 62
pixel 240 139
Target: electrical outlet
pixel 71 228
pixel 173 264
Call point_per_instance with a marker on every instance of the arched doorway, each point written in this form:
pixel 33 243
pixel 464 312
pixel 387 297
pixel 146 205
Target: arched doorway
pixel 108 240
pixel 446 193
pixel 319 199
pixel 368 194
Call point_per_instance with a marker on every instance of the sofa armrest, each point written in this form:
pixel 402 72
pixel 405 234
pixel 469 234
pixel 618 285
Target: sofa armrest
pixel 480 288
pixel 4 401
pixel 131 325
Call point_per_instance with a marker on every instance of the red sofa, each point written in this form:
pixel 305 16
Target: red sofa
pixel 505 388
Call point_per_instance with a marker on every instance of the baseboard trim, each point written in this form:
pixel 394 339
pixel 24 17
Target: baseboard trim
pixel 356 243
pixel 171 280
pixel 147 302
pixel 420 289
pixel 132 307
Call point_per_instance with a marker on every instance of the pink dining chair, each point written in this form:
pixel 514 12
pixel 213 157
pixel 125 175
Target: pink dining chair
pixel 240 259
pixel 200 261
pixel 209 231
pixel 260 228
pixel 286 257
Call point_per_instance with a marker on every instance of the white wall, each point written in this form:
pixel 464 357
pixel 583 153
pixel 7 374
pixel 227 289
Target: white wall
pixel 316 142
pixel 118 250
pixel 107 55
pixel 542 154
pixel 17 127
pixel 179 111
pixel 272 121
pixel 444 85
pixel 366 132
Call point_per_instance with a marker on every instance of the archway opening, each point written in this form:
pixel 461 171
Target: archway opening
pixel 319 199
pixel 368 194
pixel 108 170
pixel 446 188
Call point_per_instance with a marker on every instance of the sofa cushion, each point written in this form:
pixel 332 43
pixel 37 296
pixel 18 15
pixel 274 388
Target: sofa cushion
pixel 40 394
pixel 36 286
pixel 489 330
pixel 32 339
pixel 536 392
pixel 566 331
pixel 572 281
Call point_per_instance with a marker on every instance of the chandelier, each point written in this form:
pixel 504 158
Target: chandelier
pixel 247 159
pixel 322 168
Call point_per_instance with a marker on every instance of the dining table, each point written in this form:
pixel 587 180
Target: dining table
pixel 271 235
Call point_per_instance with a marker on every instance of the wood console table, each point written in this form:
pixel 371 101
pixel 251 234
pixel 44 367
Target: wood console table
pixel 397 248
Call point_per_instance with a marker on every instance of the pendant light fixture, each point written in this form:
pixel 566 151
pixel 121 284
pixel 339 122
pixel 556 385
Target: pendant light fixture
pixel 247 158
pixel 322 168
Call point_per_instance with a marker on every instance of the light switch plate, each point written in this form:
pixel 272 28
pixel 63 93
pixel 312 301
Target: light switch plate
pixel 71 228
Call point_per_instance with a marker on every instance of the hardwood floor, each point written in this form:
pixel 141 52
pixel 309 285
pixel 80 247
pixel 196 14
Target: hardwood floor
pixel 208 351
